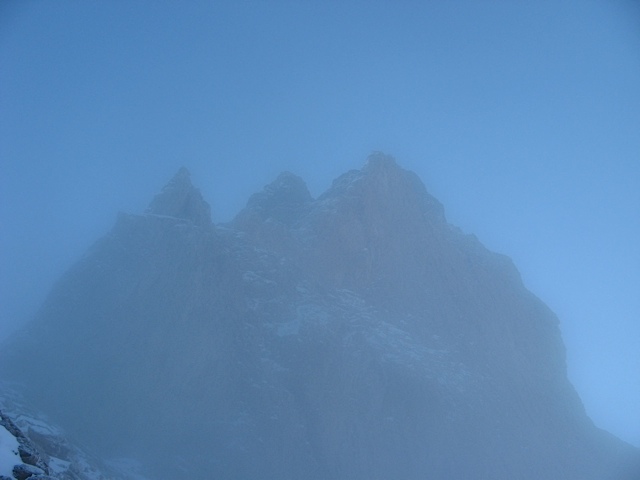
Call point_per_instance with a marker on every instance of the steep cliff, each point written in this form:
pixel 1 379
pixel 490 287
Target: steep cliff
pixel 353 336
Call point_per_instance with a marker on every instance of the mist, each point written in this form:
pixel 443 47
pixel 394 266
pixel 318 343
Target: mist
pixel 520 119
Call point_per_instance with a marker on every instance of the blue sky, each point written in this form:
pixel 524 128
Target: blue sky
pixel 523 118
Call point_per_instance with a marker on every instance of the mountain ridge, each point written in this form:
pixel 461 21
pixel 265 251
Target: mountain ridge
pixel 355 335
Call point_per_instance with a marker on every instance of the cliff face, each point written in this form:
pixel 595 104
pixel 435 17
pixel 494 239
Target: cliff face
pixel 353 336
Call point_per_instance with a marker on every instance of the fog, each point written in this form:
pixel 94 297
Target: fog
pixel 521 119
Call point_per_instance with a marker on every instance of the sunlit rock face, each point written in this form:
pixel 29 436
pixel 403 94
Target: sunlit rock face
pixel 353 336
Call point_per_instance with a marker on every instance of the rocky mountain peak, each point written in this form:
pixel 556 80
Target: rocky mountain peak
pixel 380 161
pixel 287 188
pixel 351 337
pixel 385 188
pixel 284 200
pixel 383 198
pixel 180 199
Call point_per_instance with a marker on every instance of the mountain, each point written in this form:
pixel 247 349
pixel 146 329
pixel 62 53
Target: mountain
pixel 353 336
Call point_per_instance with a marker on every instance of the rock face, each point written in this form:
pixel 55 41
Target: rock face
pixel 353 336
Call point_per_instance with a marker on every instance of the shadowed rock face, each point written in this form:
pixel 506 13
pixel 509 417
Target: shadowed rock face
pixel 353 336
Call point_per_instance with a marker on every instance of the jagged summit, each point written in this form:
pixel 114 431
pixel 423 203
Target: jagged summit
pixel 383 186
pixel 284 200
pixel 379 161
pixel 180 199
pixel 349 337
pixel 288 187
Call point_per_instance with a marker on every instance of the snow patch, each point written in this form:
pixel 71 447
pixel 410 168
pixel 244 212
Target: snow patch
pixel 58 466
pixel 8 452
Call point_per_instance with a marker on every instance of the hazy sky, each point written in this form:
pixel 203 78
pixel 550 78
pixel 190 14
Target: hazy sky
pixel 523 118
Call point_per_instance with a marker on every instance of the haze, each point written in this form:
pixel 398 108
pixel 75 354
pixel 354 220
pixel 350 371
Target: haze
pixel 521 118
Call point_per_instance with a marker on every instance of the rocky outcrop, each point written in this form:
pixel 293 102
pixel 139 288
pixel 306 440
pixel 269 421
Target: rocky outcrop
pixel 42 452
pixel 354 336
pixel 180 199
pixel 34 462
pixel 286 200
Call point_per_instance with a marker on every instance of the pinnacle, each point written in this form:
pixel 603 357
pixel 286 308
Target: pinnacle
pixel 380 160
pixel 180 199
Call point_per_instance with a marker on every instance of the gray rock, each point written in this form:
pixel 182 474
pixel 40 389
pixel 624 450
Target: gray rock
pixel 31 456
pixel 37 436
pixel 10 426
pixel 23 471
